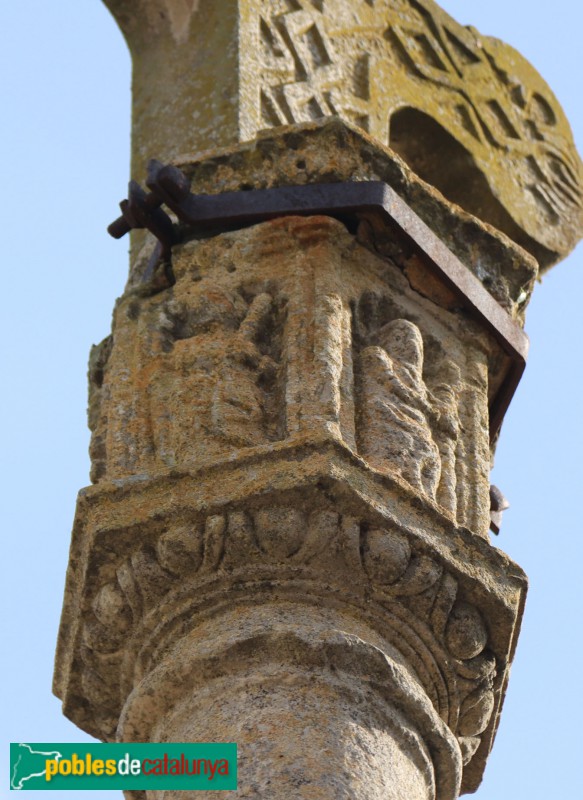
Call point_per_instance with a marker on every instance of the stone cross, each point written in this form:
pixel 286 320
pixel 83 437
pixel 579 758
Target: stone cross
pixel 211 73
pixel 286 540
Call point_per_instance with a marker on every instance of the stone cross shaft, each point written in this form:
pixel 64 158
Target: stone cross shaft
pixel 286 540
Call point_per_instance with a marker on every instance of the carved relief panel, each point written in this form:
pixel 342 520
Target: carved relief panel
pixel 213 387
pixel 294 331
pixel 422 405
pixel 192 373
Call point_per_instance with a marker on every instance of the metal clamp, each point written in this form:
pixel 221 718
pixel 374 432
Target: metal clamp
pixel 169 186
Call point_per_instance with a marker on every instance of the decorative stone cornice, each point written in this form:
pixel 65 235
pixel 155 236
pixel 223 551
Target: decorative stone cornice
pixel 156 560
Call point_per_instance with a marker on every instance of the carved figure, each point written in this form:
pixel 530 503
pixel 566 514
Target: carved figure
pixel 214 369
pixel 446 398
pixel 395 409
pixel 237 406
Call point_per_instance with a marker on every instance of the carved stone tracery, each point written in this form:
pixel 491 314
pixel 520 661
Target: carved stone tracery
pixel 388 66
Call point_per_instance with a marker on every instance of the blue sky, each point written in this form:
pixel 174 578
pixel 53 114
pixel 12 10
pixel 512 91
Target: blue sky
pixel 65 159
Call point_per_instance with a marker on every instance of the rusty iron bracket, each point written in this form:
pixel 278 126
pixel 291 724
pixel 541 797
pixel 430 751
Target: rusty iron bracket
pixel 169 186
pixel 143 210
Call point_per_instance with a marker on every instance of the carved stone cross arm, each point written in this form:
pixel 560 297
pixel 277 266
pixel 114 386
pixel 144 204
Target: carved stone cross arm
pixel 467 112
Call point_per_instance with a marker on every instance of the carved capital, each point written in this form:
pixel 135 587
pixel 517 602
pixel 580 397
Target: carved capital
pixel 293 431
pixel 152 576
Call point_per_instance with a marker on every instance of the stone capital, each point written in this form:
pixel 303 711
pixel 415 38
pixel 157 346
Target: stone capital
pixel 291 459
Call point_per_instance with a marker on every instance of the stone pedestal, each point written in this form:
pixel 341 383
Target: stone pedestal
pixel 286 543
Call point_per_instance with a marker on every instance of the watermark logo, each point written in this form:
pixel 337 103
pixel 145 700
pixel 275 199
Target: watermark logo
pixel 204 766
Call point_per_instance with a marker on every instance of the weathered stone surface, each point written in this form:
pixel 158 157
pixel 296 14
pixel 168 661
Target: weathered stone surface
pixel 356 724
pixel 291 426
pixel 364 551
pixel 330 151
pixel 286 543
pixel 294 328
pixel 468 113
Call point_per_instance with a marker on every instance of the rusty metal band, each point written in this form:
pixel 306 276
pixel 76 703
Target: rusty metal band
pixel 169 186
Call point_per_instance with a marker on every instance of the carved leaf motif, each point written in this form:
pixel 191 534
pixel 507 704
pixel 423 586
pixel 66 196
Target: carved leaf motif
pixel 395 434
pixel 180 550
pixel 385 555
pixel 476 711
pixel 422 573
pixel 469 746
pixel 280 530
pixel 152 580
pixel 111 608
pixel 240 542
pixel 465 633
